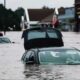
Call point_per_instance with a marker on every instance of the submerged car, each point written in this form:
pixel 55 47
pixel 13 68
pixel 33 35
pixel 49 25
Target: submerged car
pixel 4 40
pixel 42 37
pixel 52 55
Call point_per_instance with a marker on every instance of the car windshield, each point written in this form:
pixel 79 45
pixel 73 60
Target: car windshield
pixel 4 40
pixel 66 56
pixel 41 34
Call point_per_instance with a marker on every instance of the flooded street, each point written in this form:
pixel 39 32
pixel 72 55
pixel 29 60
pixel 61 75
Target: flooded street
pixel 11 67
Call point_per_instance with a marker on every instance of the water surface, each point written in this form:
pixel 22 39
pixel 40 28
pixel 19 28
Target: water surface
pixel 11 67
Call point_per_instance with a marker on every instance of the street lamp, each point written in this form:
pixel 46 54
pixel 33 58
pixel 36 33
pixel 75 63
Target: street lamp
pixel 4 18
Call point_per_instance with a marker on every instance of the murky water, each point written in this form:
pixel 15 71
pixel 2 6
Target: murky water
pixel 11 67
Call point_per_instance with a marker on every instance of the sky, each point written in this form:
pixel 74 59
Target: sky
pixel 14 4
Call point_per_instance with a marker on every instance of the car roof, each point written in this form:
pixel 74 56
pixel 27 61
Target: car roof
pixel 54 48
pixel 42 28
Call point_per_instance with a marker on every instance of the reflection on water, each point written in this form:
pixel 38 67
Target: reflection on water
pixel 52 72
pixel 43 72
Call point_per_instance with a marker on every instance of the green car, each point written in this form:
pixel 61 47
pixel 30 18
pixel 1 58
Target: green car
pixel 4 40
pixel 52 55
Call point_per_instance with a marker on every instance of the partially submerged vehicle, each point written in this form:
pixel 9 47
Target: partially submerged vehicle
pixel 4 40
pixel 42 37
pixel 52 55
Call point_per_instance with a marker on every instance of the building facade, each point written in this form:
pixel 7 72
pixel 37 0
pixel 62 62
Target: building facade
pixel 66 17
pixel 77 15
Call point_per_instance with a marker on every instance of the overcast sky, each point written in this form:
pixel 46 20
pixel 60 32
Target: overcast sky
pixel 14 4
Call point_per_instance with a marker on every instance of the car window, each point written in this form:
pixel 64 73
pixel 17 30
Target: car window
pixel 52 34
pixel 55 32
pixel 4 40
pixel 36 34
pixel 41 34
pixel 60 57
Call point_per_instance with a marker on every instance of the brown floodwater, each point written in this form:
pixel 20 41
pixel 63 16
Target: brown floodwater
pixel 11 67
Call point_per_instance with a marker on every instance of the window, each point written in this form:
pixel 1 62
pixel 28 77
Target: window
pixel 41 34
pixel 52 34
pixel 59 57
pixel 36 34
pixel 4 40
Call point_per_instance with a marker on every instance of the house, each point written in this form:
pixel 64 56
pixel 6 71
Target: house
pixel 77 15
pixel 66 17
pixel 40 16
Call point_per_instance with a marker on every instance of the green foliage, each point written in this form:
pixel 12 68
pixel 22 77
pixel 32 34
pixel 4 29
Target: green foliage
pixel 10 20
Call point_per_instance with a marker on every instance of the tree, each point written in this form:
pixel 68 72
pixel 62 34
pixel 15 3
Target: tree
pixel 2 16
pixel 10 19
pixel 18 13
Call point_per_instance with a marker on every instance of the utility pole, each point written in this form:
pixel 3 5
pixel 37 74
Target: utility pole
pixel 27 17
pixel 4 18
pixel 4 3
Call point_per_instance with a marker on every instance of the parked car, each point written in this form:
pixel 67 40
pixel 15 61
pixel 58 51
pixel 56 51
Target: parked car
pixel 4 40
pixel 42 37
pixel 52 55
